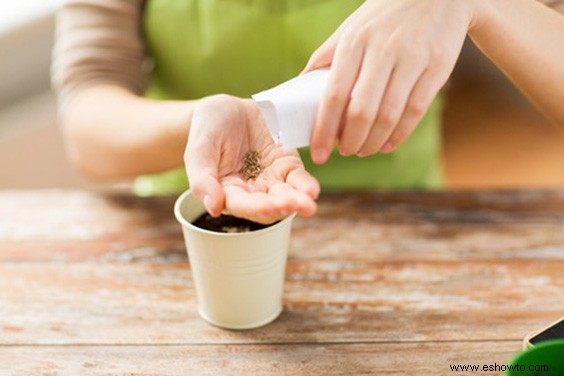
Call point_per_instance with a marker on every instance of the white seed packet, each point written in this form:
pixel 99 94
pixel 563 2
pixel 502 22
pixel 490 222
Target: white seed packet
pixel 290 108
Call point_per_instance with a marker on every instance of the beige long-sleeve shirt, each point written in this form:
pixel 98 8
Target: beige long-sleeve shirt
pixel 101 41
pixel 98 41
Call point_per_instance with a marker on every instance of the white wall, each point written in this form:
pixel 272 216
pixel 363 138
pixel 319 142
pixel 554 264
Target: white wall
pixel 26 38
pixel 31 148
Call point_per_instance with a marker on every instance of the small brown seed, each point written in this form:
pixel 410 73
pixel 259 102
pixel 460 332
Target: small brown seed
pixel 251 165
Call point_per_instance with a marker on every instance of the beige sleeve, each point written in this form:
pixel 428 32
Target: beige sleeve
pixel 98 41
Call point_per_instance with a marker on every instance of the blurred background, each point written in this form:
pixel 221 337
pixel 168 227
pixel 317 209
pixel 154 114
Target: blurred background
pixel 493 138
pixel 31 149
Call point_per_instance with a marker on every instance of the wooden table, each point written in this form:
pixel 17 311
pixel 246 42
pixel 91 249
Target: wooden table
pixel 376 283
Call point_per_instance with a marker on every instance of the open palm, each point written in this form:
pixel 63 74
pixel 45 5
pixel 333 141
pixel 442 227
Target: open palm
pixel 224 131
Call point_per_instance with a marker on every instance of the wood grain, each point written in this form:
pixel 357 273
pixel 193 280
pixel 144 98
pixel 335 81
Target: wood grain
pixel 89 303
pixel 312 359
pixel 394 282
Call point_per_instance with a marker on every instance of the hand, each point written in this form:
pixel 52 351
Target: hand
pixel 388 61
pixel 224 129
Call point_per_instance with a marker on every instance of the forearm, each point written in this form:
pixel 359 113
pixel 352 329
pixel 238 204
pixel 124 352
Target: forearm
pixel 113 133
pixel 525 40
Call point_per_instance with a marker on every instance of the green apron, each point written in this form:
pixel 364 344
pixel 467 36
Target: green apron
pixel 241 47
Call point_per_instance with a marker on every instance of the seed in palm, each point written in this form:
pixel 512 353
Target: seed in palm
pixel 251 165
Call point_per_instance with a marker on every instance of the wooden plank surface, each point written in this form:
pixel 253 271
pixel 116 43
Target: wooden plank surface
pixel 89 303
pixel 418 276
pixel 311 359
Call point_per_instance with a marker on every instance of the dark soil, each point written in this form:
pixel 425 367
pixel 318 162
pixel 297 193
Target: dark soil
pixel 227 223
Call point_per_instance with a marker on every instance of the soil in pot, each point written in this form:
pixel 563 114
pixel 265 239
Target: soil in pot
pixel 227 223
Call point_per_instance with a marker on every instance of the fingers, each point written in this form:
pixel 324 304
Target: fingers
pixel 305 205
pixel 344 70
pixel 202 163
pixel 421 98
pixel 260 207
pixel 394 101
pixel 279 199
pixel 302 181
pixel 364 102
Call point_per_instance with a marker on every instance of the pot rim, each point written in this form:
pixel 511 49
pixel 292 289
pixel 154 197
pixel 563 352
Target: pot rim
pixel 180 218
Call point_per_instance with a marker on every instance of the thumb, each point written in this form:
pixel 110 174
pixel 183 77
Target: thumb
pixel 323 56
pixel 202 165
